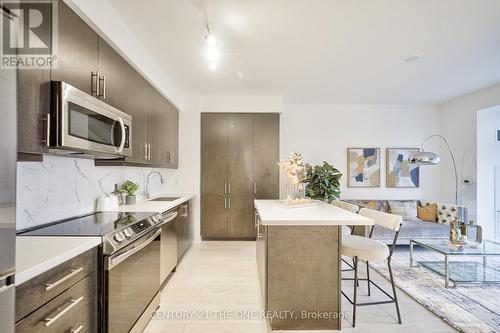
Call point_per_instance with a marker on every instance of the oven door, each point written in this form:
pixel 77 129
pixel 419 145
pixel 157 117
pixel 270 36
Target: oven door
pixel 132 280
pixel 88 124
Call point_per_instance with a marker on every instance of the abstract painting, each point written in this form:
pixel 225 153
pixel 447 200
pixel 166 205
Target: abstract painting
pixel 399 171
pixel 363 167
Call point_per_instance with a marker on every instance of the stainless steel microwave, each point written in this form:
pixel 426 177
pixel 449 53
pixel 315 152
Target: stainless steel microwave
pixel 81 125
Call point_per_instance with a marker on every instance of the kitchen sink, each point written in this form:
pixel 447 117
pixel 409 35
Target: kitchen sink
pixel 165 199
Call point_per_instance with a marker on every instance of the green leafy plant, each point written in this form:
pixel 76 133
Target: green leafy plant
pixel 323 182
pixel 129 187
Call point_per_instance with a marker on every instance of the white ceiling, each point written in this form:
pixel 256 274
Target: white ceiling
pixel 324 51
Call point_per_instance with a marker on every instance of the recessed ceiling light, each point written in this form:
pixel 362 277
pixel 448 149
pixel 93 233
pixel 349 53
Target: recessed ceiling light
pixel 211 40
pixel 212 66
pixel 213 54
pixel 413 58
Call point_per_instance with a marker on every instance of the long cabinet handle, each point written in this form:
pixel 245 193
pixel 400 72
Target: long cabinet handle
pixel 94 90
pixel 74 272
pixel 73 302
pixel 102 90
pixel 46 118
pixel 225 187
pixel 229 187
pixel 76 330
pixel 149 151
pixel 146 151
pixel 225 202
pixel 229 202
pixel 254 187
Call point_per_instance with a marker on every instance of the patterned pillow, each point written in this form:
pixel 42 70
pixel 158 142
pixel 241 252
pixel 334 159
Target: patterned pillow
pixel 446 212
pixel 407 209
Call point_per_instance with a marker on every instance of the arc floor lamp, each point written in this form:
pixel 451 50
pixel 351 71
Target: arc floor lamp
pixel 430 158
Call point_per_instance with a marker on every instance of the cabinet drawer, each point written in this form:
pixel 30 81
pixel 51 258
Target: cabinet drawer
pixel 73 310
pixel 34 293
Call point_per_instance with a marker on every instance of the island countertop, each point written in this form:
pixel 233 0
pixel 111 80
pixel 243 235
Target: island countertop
pixel 322 214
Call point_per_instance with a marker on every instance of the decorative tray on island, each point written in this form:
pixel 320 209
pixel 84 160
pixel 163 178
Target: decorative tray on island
pixel 296 203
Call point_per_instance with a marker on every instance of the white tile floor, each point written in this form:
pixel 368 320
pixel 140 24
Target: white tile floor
pixel 219 279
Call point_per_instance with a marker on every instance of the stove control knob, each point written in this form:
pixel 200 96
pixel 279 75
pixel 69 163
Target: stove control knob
pixel 128 232
pixel 119 237
pixel 156 218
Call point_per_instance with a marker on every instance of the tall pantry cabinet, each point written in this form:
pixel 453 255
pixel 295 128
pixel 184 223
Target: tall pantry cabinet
pixel 239 155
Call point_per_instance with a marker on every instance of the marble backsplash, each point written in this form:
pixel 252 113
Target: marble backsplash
pixel 62 187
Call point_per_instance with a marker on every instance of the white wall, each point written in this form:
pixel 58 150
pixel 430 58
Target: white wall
pixel 320 132
pixel 458 118
pixel 324 132
pixel 488 157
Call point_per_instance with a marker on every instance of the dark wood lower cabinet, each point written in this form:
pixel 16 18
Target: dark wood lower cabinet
pixel 74 308
pixel 64 299
pixel 185 228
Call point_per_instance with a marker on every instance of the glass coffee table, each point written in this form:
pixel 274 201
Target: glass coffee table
pixel 466 270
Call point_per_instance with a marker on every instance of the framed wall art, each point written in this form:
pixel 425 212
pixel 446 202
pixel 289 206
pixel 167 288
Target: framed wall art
pixel 363 167
pixel 399 171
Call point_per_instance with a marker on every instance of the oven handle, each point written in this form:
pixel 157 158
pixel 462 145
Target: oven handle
pixel 122 143
pixel 117 259
pixel 168 219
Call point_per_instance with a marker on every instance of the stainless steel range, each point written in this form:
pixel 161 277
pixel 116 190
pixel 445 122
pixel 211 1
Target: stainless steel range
pixel 130 279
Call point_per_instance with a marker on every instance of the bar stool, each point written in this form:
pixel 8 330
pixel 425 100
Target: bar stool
pixel 367 249
pixel 347 206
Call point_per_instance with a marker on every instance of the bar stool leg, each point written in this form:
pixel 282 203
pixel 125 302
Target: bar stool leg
pixel 394 290
pixel 354 263
pixel 368 277
pixel 355 291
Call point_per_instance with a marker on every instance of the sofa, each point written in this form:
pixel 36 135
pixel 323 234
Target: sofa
pixel 413 227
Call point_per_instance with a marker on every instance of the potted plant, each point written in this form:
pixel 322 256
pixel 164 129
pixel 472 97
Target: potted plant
pixel 323 182
pixel 129 188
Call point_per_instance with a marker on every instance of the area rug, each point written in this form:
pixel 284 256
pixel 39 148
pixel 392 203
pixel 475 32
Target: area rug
pixel 467 308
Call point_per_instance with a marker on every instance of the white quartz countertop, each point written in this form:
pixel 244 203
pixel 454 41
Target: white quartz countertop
pixel 157 206
pixel 322 214
pixel 38 254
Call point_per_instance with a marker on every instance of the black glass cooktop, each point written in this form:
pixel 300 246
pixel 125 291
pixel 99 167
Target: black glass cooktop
pixel 96 224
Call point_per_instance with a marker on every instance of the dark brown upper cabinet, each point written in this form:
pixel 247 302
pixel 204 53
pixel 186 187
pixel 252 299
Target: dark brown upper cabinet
pixel 111 76
pixel 32 109
pixel 154 125
pixel 136 105
pixel 78 52
pixel 169 141
pixel 87 62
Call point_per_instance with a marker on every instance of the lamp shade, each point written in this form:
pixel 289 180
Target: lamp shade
pixel 425 158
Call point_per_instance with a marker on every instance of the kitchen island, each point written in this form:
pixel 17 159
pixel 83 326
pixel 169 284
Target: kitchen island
pixel 299 261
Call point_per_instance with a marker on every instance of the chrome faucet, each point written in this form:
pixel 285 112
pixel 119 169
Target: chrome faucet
pixel 148 185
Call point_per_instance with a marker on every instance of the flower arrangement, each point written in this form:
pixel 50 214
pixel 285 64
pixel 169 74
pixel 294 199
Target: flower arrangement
pixel 296 173
pixel 294 168
pixel 322 182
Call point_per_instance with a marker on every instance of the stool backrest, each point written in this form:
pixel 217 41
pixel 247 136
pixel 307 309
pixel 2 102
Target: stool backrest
pixel 385 220
pixel 345 205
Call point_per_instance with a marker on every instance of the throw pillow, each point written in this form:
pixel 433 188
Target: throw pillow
pixel 428 213
pixel 407 209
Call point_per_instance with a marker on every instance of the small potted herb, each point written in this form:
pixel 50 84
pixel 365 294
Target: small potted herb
pixel 129 188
